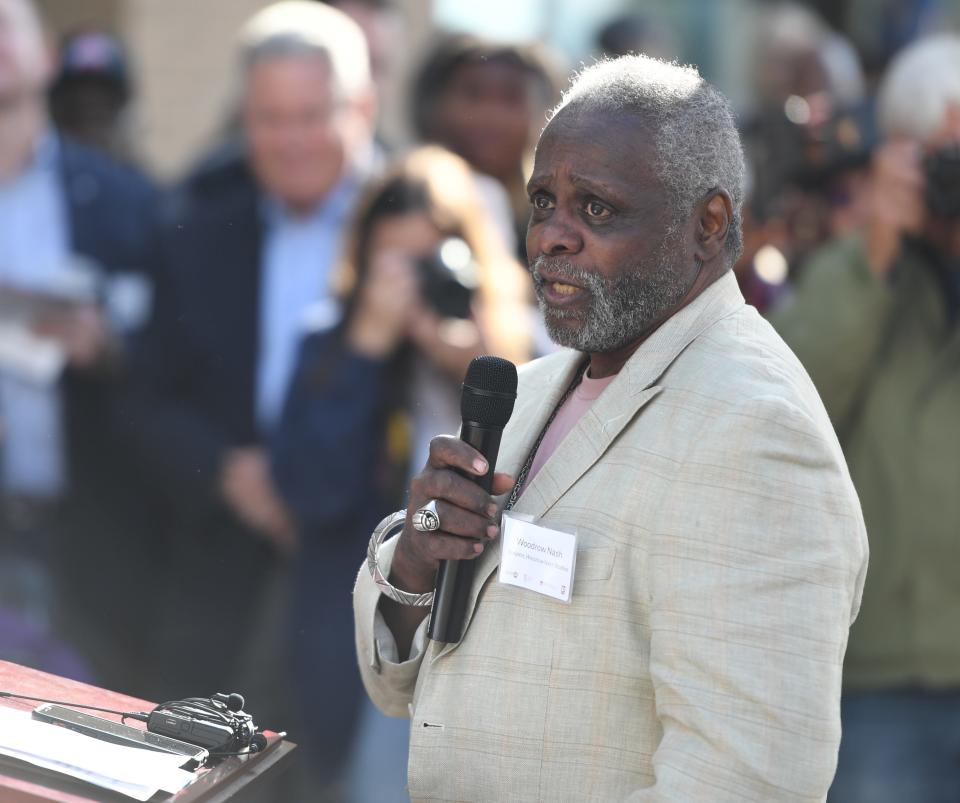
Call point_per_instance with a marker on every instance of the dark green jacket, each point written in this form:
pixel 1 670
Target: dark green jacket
pixel 886 361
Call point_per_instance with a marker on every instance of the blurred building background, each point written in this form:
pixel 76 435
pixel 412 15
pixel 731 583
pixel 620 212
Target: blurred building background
pixel 182 57
pixel 182 50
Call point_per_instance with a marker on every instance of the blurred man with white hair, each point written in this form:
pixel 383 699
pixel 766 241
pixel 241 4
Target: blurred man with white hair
pixel 245 256
pixel 875 322
pixel 693 650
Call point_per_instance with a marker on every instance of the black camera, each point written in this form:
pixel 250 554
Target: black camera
pixel 448 279
pixel 941 171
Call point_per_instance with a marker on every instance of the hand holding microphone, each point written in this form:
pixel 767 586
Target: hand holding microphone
pixel 467 513
pixel 460 482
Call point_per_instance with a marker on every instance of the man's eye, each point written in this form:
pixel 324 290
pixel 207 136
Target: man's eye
pixel 595 209
pixel 541 201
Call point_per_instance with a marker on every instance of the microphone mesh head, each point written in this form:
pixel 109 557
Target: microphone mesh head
pixel 489 391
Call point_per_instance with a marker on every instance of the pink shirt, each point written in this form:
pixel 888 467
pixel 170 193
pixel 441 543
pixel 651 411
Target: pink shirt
pixel 585 394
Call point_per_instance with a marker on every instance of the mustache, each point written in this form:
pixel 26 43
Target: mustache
pixel 564 269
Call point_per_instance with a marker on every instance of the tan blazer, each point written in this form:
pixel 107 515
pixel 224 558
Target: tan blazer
pixel 721 559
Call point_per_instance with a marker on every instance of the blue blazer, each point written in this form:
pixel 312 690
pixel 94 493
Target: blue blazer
pixel 328 449
pixel 104 532
pixel 110 206
pixel 191 399
pixel 194 373
pixel 110 213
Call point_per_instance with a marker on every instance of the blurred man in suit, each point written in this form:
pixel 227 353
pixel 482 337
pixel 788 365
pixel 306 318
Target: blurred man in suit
pixel 74 235
pixel 246 249
pixel 720 547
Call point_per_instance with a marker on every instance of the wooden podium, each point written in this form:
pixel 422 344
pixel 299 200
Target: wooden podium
pixel 239 779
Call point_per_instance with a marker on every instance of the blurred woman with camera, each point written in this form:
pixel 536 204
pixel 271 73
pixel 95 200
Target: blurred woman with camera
pixel 426 285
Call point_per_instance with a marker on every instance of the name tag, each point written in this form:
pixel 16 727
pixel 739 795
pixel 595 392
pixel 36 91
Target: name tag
pixel 537 558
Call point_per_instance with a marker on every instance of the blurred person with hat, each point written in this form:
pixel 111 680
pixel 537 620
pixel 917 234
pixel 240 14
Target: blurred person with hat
pixel 92 90
pixel 74 234
pixel 874 319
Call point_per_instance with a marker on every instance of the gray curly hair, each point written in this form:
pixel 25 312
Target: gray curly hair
pixel 695 136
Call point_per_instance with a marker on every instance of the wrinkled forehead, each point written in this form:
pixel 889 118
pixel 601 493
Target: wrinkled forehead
pixel 618 144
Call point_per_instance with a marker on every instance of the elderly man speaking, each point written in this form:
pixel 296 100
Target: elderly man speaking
pixel 720 547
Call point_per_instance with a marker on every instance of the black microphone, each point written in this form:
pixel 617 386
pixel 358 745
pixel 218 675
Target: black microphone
pixel 486 403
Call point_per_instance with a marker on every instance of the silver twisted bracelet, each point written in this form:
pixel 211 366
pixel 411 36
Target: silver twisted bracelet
pixel 391 524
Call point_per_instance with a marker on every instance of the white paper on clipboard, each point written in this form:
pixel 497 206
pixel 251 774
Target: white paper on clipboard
pixel 137 773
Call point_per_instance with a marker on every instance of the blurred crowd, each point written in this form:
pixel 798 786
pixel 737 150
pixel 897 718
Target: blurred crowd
pixel 212 390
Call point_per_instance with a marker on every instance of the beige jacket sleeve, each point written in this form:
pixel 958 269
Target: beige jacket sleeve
pixel 389 683
pixel 751 602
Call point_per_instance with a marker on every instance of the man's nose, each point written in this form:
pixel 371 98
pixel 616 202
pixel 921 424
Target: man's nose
pixel 558 235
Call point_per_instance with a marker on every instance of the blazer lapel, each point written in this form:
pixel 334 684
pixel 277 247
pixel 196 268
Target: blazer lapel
pixel 534 405
pixel 585 444
pixel 619 404
pixel 553 375
pixel 632 389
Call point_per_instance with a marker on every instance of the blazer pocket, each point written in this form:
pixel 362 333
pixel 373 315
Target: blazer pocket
pixel 594 565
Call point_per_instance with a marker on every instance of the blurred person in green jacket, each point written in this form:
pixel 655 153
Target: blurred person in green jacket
pixel 874 320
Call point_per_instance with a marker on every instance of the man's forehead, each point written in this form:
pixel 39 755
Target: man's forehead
pixel 581 143
pixel 613 130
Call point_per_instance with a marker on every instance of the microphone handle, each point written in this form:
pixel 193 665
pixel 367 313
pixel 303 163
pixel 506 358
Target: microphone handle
pixel 454 577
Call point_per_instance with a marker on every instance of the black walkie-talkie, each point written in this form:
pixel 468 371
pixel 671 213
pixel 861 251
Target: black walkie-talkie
pixel 211 735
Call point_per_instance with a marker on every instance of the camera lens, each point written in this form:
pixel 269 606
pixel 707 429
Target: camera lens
pixel 942 182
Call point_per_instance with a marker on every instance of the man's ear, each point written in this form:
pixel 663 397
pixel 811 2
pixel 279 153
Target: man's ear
pixel 714 214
